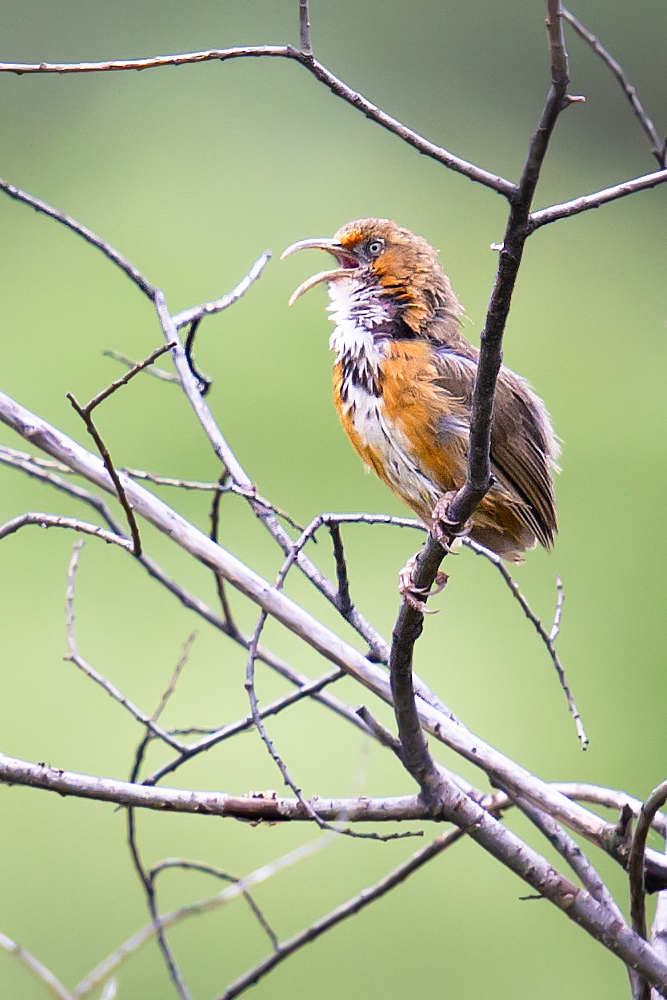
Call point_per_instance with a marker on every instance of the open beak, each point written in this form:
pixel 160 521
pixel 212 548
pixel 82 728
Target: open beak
pixel 346 260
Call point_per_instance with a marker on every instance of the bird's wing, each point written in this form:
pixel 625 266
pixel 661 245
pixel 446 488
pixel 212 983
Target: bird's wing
pixel 523 446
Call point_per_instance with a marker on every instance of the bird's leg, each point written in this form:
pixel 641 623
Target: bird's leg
pixel 443 530
pixel 413 595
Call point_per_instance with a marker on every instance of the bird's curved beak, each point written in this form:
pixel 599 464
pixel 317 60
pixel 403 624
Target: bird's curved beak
pixel 345 258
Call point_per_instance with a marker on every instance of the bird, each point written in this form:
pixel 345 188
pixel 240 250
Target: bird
pixel 403 384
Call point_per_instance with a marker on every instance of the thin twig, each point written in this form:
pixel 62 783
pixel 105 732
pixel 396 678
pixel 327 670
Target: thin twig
pixel 86 668
pixel 657 145
pixel 46 977
pixel 15 459
pixel 147 882
pixel 380 732
pixel 160 373
pixel 56 521
pixel 196 866
pixel 85 414
pixel 111 469
pixel 216 736
pixel 344 599
pixel 261 728
pixel 225 301
pixel 558 610
pixel 203 382
pixel 548 638
pixel 171 686
pixel 139 366
pixel 336 86
pixel 340 913
pixel 224 485
pixel 93 979
pixel 87 234
pixel 569 208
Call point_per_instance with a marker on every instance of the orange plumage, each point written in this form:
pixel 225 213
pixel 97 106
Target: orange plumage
pixel 403 381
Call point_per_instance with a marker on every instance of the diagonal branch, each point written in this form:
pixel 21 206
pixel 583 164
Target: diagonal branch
pixel 510 774
pixel 568 208
pixel 478 477
pixel 305 59
pixel 87 234
pixel 548 638
pixel 336 916
pixel 18 460
pixel 53 985
pixel 658 146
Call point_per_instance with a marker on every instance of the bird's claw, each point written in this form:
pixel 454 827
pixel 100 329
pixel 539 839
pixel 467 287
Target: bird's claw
pixel 416 596
pixel 442 528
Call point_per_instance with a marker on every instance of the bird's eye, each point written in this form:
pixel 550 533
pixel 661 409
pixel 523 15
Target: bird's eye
pixel 375 247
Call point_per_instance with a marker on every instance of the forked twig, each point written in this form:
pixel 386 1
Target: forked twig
pixel 234 891
pixel 336 916
pixel 85 414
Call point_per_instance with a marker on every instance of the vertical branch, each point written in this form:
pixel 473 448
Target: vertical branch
pixel 304 29
pixel 478 478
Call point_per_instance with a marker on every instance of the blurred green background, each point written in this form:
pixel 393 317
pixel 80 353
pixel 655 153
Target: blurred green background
pixel 191 173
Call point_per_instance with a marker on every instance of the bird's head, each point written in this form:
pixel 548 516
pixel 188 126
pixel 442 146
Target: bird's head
pixel 400 269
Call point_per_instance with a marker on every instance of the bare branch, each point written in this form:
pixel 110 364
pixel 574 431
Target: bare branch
pixel 511 775
pixel 655 801
pixel 304 29
pixel 255 807
pixel 548 638
pixel 86 668
pixel 208 308
pixel 478 477
pixel 53 985
pixel 139 366
pixel 568 208
pixel 658 147
pixel 84 413
pixel 55 521
pixel 160 373
pixel 234 891
pixel 88 235
pixel 340 913
pixel 336 86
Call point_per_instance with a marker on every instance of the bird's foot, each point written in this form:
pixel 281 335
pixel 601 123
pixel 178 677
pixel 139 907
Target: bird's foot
pixel 443 529
pixel 416 596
